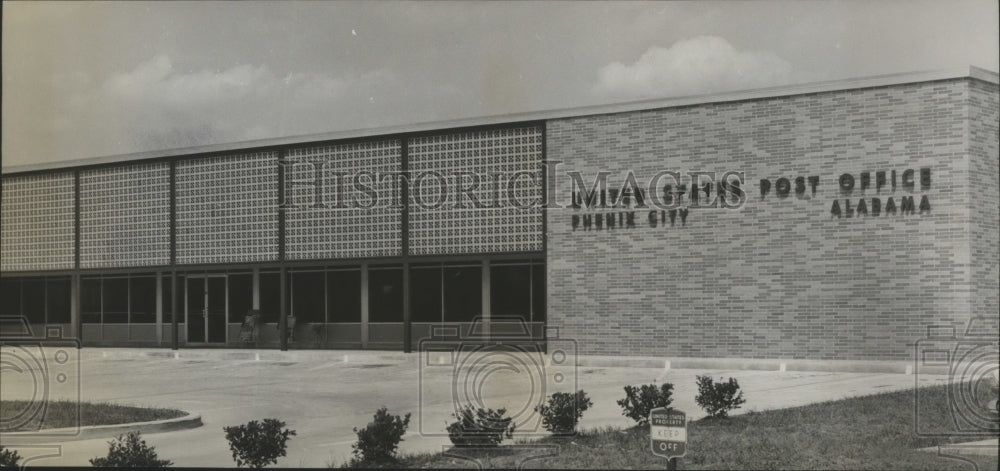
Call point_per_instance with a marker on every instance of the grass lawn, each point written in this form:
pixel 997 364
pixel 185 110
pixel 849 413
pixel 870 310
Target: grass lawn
pixel 870 432
pixel 60 414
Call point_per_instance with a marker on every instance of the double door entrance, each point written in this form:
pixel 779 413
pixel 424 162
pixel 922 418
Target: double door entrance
pixel 206 309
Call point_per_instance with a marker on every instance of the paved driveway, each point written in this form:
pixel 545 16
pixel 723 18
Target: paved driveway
pixel 324 394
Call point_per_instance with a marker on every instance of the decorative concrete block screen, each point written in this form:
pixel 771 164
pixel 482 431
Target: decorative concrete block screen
pixel 329 211
pixel 36 225
pixel 125 216
pixel 458 225
pixel 227 209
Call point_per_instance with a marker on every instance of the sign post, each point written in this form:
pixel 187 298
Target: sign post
pixel 668 434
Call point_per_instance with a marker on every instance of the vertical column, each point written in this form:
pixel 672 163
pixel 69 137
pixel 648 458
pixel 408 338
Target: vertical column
pixel 364 306
pixel 74 288
pixel 255 303
pixel 407 324
pixel 76 219
pixel 486 299
pixel 159 308
pixel 174 321
pixel 74 307
pixel 404 195
pixel 546 198
pixel 283 310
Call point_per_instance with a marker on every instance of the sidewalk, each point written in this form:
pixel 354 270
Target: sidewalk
pixel 324 394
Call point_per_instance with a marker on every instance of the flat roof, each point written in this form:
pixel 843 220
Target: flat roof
pixel 750 94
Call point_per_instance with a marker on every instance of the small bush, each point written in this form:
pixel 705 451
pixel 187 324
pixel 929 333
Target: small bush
pixel 480 427
pixel 377 442
pixel 9 458
pixel 717 399
pixel 130 451
pixel 563 411
pixel 258 444
pixel 638 401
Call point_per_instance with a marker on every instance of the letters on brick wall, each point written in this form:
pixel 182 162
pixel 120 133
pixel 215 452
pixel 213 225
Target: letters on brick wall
pixel 882 193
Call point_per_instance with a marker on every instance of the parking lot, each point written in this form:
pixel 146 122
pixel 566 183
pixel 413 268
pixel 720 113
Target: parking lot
pixel 323 395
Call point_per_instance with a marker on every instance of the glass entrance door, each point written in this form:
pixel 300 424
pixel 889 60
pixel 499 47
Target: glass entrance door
pixel 206 308
pixel 215 315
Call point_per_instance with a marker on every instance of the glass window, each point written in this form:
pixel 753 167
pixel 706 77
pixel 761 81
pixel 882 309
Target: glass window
pixel 343 296
pixel 115 300
pixel 538 303
pixel 385 295
pixel 510 291
pixel 463 294
pixel 270 297
pixel 195 308
pixel 167 291
pixel 143 300
pixel 33 300
pixel 90 300
pixel 10 292
pixel 240 297
pixel 309 296
pixel 425 294
pixel 58 300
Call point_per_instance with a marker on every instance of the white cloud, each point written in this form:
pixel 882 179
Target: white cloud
pixel 703 64
pixel 156 105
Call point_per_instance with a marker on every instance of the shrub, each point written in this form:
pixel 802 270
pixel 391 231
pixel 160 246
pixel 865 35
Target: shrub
pixel 8 458
pixel 638 401
pixel 258 444
pixel 130 451
pixel 377 442
pixel 563 411
pixel 479 427
pixel 717 399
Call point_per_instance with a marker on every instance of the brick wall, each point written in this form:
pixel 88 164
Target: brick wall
pixel 778 278
pixel 984 139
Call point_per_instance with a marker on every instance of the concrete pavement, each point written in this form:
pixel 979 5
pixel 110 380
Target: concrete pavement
pixel 323 395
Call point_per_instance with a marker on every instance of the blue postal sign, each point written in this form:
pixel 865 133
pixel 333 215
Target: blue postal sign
pixel 668 432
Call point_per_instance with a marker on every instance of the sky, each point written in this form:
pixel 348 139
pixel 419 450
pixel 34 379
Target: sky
pixel 87 79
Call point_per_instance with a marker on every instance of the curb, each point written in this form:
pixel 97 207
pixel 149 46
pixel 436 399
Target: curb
pixel 101 431
pixel 762 364
pixel 271 355
pixel 907 367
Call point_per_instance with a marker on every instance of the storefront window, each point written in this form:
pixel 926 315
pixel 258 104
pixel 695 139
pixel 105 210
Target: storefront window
pixel 538 293
pixel 385 295
pixel 142 300
pixel 90 300
pixel 115 300
pixel 343 291
pixel 57 295
pixel 425 294
pixel 270 296
pixel 309 296
pixel 463 293
pixel 510 291
pixel 33 300
pixel 240 296
pixel 10 292
pixel 167 292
